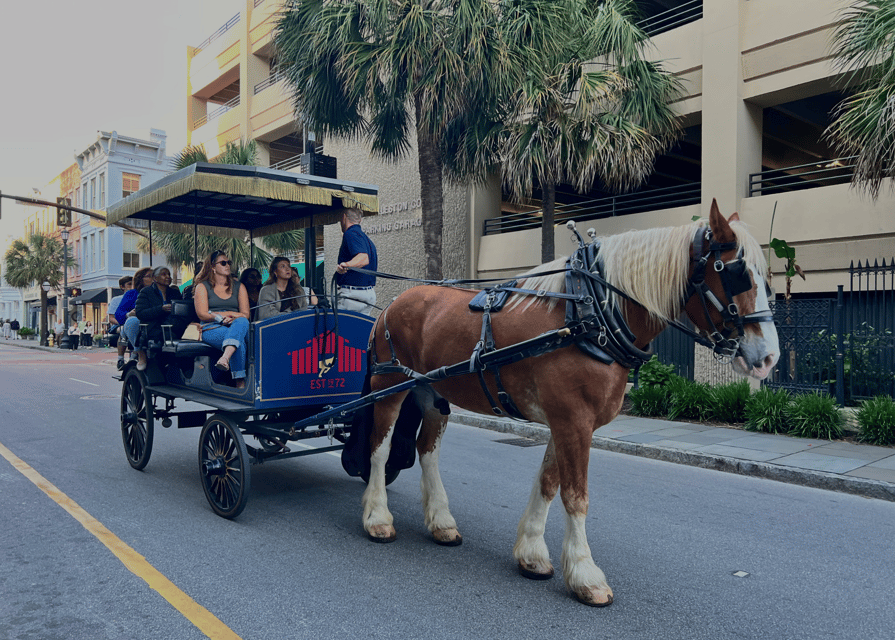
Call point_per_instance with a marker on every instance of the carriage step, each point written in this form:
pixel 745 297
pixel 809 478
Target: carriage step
pixel 521 442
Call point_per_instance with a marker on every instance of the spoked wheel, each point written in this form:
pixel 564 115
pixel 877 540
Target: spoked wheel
pixel 224 466
pixel 136 419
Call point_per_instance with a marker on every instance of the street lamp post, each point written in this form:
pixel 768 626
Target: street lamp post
pixel 63 343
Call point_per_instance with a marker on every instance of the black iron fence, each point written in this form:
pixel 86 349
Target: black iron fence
pixel 844 347
pixel 680 15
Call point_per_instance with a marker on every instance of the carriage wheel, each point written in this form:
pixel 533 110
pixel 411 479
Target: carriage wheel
pixel 390 475
pixel 137 415
pixel 224 466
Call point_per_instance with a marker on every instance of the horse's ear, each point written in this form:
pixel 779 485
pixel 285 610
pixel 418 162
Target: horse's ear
pixel 734 217
pixel 718 223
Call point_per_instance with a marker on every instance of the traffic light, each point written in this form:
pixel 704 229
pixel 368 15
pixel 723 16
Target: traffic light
pixel 63 216
pixel 74 292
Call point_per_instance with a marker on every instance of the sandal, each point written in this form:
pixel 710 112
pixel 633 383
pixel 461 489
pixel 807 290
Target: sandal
pixel 223 364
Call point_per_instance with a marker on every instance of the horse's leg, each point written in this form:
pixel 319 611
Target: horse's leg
pixel 530 550
pixel 435 501
pixel 583 578
pixel 377 518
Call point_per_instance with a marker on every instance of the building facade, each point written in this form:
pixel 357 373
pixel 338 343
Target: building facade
pixel 759 86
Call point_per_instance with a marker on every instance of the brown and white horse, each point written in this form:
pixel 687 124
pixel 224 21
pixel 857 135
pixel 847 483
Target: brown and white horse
pixel 570 392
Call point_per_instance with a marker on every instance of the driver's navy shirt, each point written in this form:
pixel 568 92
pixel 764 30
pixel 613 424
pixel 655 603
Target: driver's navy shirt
pixel 355 241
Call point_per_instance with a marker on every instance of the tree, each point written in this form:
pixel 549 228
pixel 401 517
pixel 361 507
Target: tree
pixel 595 109
pixel 182 248
pixel 388 72
pixel 32 263
pixel 864 123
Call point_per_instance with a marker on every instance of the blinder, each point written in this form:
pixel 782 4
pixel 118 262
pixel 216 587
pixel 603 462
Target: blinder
pixel 736 279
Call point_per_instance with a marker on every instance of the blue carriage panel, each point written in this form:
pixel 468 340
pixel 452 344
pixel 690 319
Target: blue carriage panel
pixel 301 360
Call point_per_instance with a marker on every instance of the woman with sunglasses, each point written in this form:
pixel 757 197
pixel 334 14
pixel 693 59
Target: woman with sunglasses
pixel 222 305
pixel 282 293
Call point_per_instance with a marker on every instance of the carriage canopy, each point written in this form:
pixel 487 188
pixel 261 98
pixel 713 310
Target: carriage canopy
pixel 220 197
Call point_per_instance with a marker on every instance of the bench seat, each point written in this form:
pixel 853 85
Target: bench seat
pixel 191 349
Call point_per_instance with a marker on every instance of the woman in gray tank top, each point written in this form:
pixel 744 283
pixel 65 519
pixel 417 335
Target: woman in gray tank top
pixel 222 305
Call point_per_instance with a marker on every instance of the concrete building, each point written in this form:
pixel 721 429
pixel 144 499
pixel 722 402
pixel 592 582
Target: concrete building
pixel 759 86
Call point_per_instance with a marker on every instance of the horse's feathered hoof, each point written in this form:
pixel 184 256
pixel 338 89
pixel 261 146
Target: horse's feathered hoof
pixel 447 537
pixel 382 534
pixel 534 575
pixel 589 600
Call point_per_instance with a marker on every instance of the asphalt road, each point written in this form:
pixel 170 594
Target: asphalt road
pixel 297 564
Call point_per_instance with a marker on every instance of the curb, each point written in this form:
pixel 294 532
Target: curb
pixel 791 475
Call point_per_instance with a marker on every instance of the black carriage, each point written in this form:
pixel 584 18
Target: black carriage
pixel 304 369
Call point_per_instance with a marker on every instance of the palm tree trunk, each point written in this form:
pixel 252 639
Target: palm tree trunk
pixel 548 202
pixel 431 198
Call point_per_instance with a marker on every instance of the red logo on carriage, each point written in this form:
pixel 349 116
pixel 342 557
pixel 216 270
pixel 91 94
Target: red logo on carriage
pixel 324 352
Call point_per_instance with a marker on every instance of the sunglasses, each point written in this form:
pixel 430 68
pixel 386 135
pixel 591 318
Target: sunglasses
pixel 227 262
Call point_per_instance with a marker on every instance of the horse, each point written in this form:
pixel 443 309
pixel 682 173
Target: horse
pixel 574 394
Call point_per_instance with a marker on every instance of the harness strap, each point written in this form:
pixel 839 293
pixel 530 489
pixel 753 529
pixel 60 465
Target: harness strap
pixel 486 345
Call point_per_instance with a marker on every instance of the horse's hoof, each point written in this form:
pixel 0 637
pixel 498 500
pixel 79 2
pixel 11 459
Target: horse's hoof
pixel 447 537
pixel 382 534
pixel 531 572
pixel 592 599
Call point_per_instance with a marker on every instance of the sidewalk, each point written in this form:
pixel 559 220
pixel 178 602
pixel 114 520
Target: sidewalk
pixel 858 469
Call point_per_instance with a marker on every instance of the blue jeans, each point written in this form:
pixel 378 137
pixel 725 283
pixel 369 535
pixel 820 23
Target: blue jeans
pixel 131 329
pixel 217 335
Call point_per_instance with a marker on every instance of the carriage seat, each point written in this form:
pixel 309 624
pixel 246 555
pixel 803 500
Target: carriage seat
pixel 191 349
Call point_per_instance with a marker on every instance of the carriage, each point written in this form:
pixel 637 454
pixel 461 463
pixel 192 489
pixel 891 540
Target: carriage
pixel 558 353
pixel 300 365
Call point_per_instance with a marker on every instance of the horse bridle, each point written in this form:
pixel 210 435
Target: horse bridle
pixel 736 279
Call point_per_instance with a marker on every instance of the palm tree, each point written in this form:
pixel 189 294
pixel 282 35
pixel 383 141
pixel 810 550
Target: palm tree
pixel 864 124
pixel 577 122
pixel 182 248
pixel 33 263
pixel 390 72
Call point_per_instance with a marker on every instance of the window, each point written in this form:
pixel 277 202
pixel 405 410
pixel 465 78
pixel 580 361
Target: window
pixel 93 252
pixel 77 256
pixel 102 191
pixel 130 182
pixel 102 250
pixel 85 203
pixel 92 193
pixel 131 255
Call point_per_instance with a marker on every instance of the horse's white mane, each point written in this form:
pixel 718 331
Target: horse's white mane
pixel 651 266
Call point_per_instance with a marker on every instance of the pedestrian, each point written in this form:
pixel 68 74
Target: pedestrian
pixel 14 327
pixel 356 292
pixel 59 330
pixel 126 283
pixel 7 327
pixel 88 332
pixel 74 335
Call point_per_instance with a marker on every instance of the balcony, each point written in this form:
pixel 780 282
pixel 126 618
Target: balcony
pixel 626 204
pixel 232 22
pixel 684 13
pixel 804 176
pixel 217 112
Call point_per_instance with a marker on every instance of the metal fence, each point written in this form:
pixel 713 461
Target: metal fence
pixel 844 347
pixel 803 176
pixel 683 14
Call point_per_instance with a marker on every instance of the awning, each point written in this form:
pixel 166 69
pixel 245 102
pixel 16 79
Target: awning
pixel 231 199
pixel 91 296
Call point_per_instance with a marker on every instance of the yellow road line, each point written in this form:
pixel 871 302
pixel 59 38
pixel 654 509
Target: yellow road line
pixel 204 620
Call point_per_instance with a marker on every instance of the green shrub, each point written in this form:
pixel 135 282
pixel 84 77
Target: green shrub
pixel 766 411
pixel 730 401
pixel 814 415
pixel 649 402
pixel 876 418
pixel 26 331
pixel 655 374
pixel 689 400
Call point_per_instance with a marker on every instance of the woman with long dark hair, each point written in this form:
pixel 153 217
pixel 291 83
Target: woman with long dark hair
pixel 282 293
pixel 251 279
pixel 222 305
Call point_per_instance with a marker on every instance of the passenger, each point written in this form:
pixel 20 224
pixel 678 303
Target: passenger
pixel 155 307
pixel 188 290
pixel 126 283
pixel 222 305
pixel 251 279
pixel 282 286
pixel 126 313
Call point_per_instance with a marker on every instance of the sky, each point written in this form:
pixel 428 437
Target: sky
pixel 70 69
